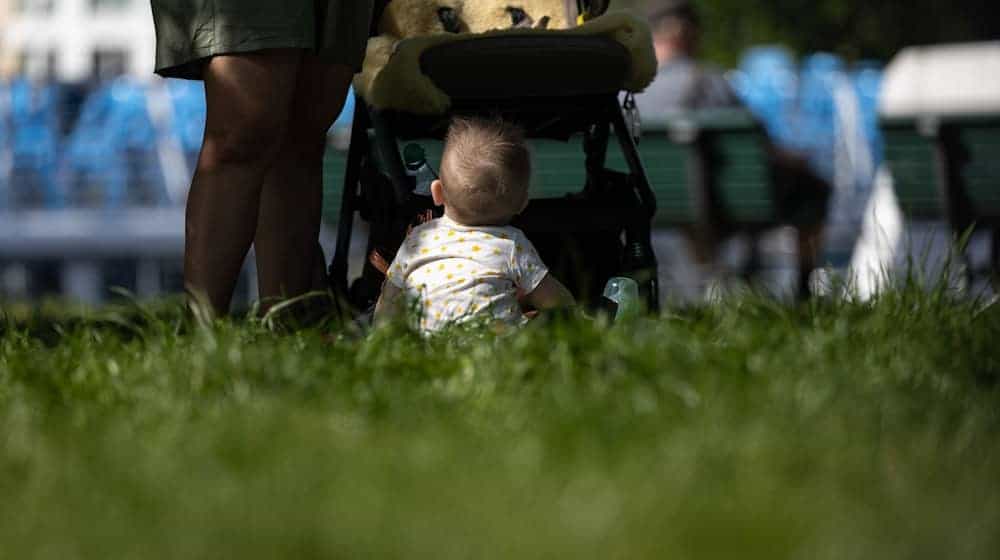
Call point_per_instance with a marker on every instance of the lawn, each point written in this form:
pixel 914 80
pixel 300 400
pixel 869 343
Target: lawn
pixel 743 429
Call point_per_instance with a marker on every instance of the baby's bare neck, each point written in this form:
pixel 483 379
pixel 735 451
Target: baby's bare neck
pixel 473 223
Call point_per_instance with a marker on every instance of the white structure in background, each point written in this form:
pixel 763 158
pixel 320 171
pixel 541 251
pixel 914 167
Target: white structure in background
pixel 943 80
pixel 921 82
pixel 6 60
pixel 73 40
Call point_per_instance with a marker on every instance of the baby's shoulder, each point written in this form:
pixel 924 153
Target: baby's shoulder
pixel 515 234
pixel 509 236
pixel 425 227
pixel 422 232
pixel 502 233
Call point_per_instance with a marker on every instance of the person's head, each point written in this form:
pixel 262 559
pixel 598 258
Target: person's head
pixel 485 172
pixel 676 28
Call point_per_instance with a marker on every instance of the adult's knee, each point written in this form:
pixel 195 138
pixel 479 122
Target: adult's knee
pixel 253 140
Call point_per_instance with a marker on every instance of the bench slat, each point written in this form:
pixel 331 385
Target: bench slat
pixel 981 173
pixel 911 158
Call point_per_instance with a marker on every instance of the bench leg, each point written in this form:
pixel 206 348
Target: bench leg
pixel 752 266
pixel 810 239
pixel 702 244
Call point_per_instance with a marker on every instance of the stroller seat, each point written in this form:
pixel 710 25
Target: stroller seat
pixel 557 85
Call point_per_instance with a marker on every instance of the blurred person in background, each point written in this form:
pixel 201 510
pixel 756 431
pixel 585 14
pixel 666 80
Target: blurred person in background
pixel 276 75
pixel 682 82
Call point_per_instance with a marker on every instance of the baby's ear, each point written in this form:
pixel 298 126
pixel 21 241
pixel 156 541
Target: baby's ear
pixel 437 192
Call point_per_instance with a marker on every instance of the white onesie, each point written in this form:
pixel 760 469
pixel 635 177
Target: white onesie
pixel 458 273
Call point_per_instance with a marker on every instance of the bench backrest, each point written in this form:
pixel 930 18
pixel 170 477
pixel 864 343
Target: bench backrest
pixel 671 174
pixel 560 169
pixel 721 155
pixel 945 167
pixel 911 152
pixel 739 174
pixel 718 159
pixel 726 162
pixel 980 173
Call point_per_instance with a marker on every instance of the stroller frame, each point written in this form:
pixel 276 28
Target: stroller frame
pixel 617 206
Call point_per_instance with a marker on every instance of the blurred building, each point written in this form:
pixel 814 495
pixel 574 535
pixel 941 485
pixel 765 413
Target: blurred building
pixel 96 154
pixel 76 40
pixel 84 147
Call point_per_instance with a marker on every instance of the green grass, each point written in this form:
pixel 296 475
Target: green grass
pixel 741 430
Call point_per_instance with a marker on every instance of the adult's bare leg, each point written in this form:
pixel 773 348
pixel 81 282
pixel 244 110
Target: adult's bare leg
pixel 248 100
pixel 290 261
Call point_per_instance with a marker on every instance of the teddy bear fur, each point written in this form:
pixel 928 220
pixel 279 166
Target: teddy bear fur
pixel 412 18
pixel 485 15
pixel 401 19
pixel 391 76
pixel 408 18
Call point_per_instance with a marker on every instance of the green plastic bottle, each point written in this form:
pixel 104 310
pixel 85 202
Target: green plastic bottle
pixel 624 293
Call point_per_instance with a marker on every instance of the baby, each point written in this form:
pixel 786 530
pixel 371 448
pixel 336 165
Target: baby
pixel 470 264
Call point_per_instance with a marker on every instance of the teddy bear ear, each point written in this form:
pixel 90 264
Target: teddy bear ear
pixel 518 17
pixel 449 19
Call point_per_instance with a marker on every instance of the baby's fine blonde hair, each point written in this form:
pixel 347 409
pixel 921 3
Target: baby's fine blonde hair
pixel 485 171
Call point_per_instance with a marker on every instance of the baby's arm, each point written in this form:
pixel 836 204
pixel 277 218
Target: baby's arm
pixel 550 294
pixel 530 273
pixel 390 304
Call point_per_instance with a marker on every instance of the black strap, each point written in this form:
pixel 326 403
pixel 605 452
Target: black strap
pixel 377 11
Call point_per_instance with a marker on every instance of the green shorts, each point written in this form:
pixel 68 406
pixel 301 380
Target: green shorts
pixel 190 32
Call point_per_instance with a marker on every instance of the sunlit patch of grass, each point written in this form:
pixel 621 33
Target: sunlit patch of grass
pixel 746 428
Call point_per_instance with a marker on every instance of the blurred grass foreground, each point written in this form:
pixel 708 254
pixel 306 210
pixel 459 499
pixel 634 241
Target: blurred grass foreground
pixel 749 430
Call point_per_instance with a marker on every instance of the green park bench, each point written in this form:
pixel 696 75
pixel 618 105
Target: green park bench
pixel 713 175
pixel 948 168
pixel 559 170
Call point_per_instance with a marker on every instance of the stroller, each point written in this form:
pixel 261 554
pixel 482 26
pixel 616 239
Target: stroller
pixel 558 87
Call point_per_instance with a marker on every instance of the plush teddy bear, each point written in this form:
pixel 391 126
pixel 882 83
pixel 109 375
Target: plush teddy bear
pixel 392 78
pixel 411 18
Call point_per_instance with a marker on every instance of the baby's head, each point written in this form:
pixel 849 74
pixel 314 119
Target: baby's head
pixel 485 172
